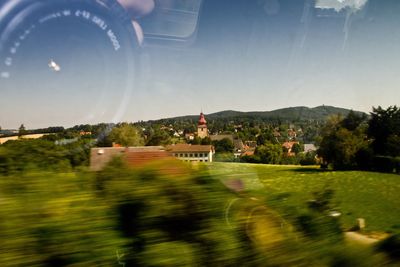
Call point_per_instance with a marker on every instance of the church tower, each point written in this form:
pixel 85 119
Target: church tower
pixel 202 131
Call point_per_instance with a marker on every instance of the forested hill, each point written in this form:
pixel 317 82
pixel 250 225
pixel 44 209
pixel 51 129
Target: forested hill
pixel 285 115
pixel 291 114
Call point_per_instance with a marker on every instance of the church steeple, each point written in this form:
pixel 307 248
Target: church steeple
pixel 202 131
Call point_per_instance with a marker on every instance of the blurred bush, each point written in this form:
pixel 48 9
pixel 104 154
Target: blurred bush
pixel 27 155
pixel 171 220
pixel 52 219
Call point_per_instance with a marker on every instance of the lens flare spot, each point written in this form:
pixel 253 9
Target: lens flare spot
pixel 54 66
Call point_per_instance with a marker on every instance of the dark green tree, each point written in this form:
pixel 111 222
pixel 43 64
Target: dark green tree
pixel 158 138
pixel 353 120
pixel 126 135
pixel 384 129
pixel 297 148
pixel 206 141
pixel 339 145
pixel 269 153
pixel 196 141
pixel 224 145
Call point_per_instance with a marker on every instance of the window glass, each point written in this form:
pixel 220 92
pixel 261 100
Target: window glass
pixel 174 18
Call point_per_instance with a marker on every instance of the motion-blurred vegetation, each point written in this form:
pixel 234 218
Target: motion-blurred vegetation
pixel 165 214
pixel 43 154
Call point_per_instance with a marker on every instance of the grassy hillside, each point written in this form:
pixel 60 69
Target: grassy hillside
pixel 373 196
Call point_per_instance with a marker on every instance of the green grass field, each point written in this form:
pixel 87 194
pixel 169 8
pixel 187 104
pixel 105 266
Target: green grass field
pixel 372 196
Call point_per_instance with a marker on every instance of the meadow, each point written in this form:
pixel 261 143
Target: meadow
pixel 372 196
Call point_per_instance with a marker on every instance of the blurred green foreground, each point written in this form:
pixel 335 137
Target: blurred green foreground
pixel 166 214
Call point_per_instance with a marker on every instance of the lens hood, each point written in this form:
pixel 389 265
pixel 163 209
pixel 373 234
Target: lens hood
pixel 82 52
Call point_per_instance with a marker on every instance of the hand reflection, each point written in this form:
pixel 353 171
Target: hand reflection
pixel 137 9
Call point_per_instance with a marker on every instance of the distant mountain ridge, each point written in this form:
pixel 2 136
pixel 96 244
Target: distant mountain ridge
pixel 300 113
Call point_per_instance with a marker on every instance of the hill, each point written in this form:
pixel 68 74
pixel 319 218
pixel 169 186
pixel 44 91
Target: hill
pixel 291 114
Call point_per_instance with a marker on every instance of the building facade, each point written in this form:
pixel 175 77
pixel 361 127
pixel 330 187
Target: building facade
pixel 192 153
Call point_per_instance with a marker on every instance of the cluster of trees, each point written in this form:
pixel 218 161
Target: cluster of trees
pixel 23 131
pixel 124 134
pixel 66 149
pixel 43 154
pixel 274 153
pixel 359 142
pixel 131 134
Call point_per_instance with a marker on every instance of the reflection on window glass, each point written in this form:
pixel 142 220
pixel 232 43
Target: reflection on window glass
pixel 176 18
pixel 339 5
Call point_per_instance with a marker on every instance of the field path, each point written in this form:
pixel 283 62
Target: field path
pixel 360 238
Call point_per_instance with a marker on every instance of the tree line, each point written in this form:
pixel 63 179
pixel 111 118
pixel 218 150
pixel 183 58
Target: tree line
pixel 359 142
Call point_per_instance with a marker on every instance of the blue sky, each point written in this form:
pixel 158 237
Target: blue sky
pixel 248 55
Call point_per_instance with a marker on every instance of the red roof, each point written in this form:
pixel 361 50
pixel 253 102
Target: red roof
pixel 289 145
pixel 202 119
pixel 134 156
pixel 141 158
pixel 248 153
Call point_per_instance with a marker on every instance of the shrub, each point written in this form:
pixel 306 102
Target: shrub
pixel 250 159
pixel 309 159
pixel 364 158
pixel 384 164
pixel 391 246
pixel 224 157
pixel 290 160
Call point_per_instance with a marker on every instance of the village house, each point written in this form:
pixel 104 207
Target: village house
pixel 291 134
pixel 309 148
pixel 249 148
pixel 192 153
pixel 83 133
pixel 189 136
pixel 250 144
pixel 239 147
pixel 289 146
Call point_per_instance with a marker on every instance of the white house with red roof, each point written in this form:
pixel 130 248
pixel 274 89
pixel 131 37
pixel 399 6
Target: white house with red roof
pixel 192 153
